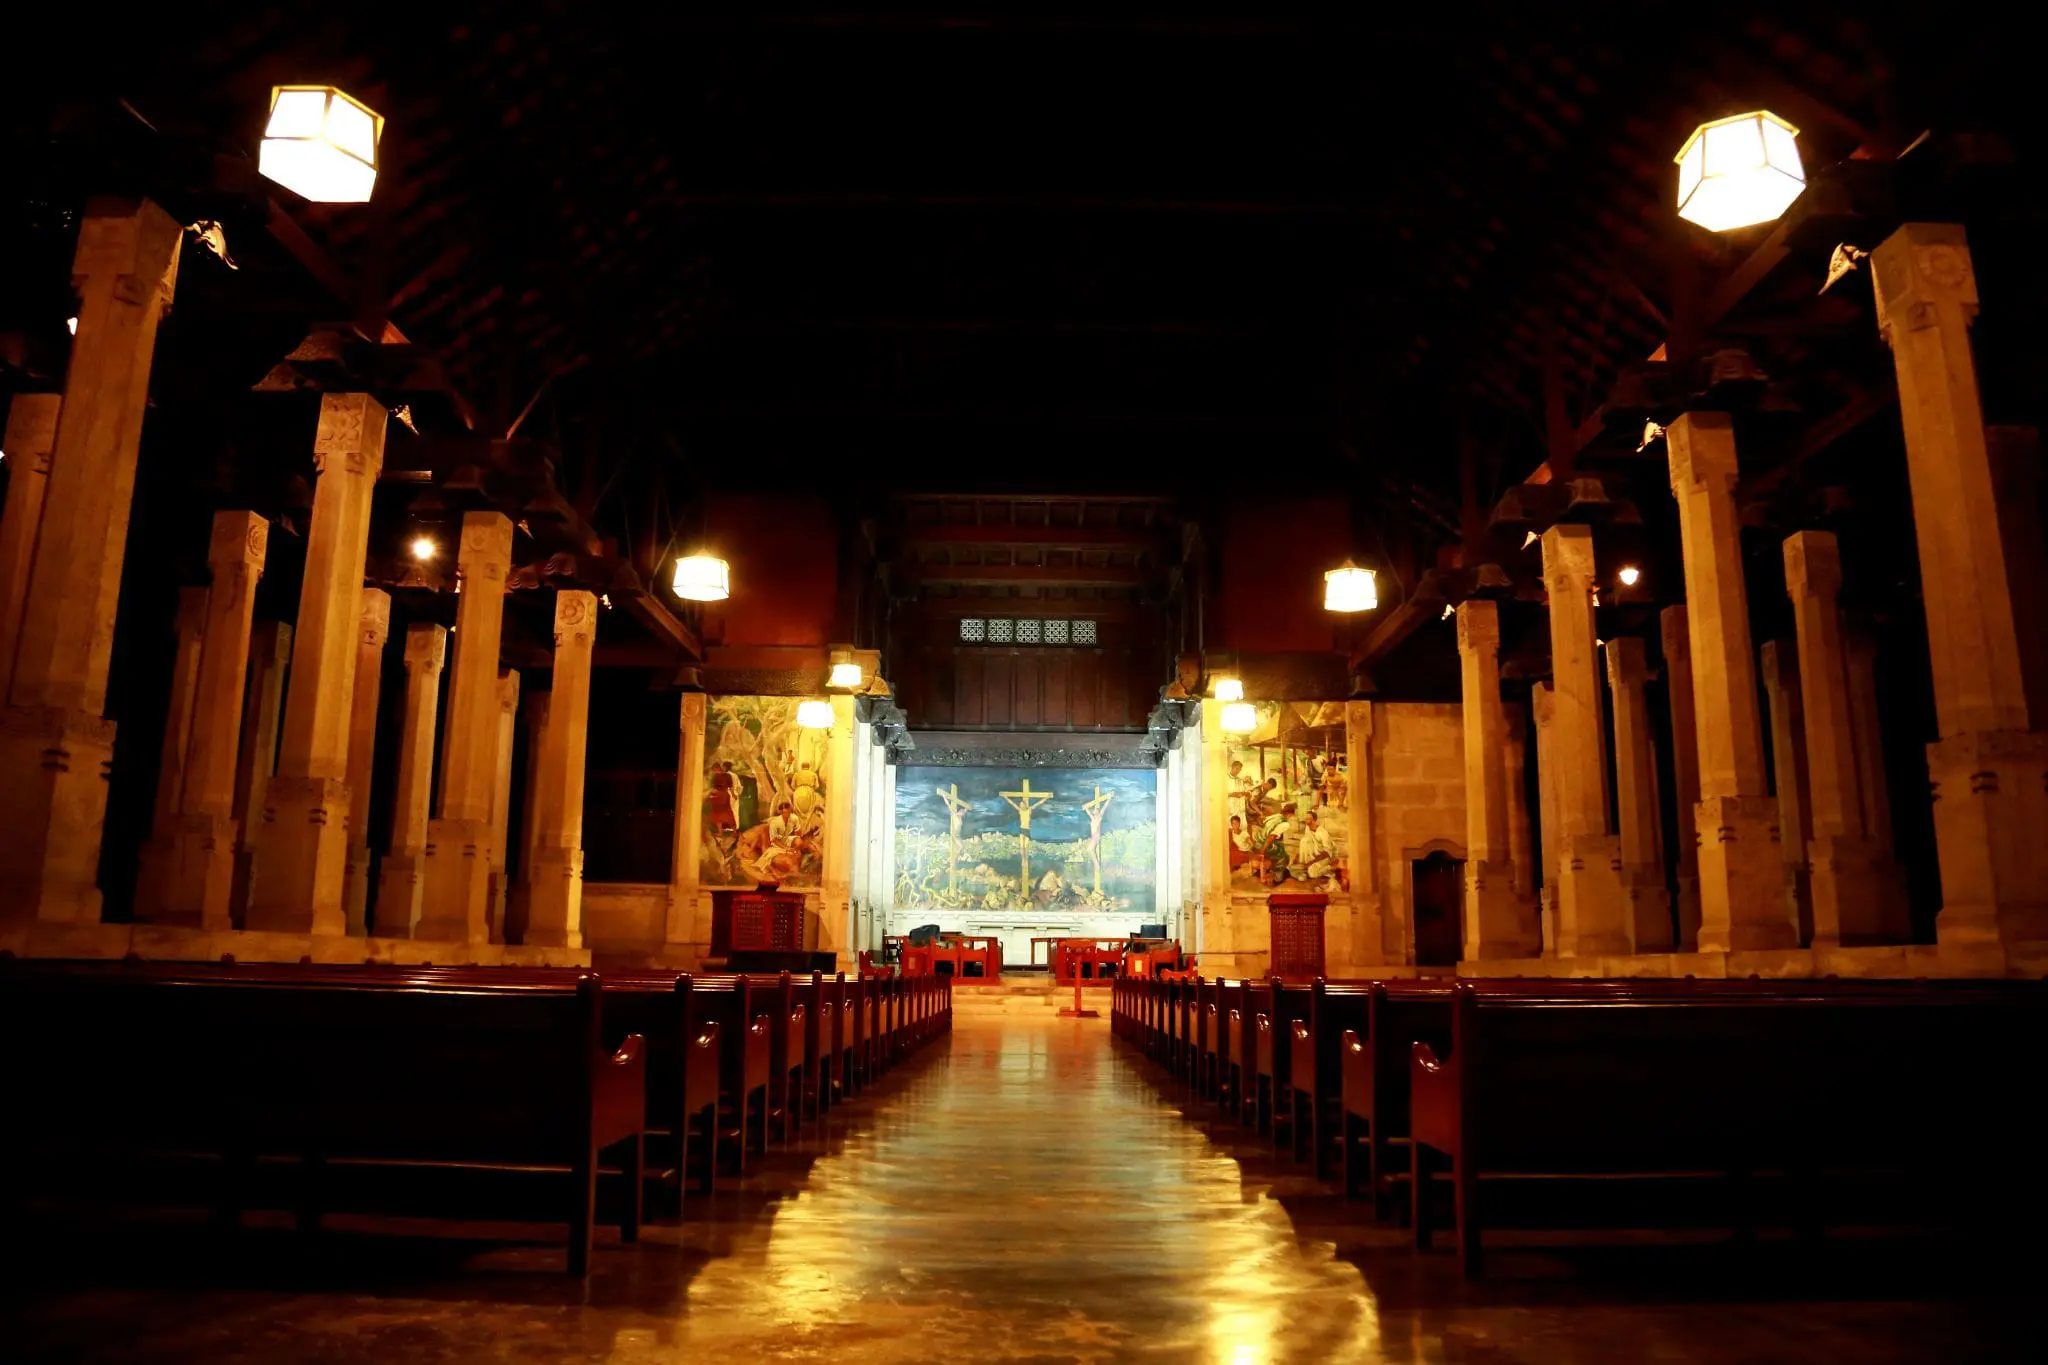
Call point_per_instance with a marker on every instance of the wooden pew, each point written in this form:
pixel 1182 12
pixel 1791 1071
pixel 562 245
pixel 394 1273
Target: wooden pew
pixel 327 1069
pixel 744 1065
pixel 1726 1085
pixel 1277 1007
pixel 1315 1077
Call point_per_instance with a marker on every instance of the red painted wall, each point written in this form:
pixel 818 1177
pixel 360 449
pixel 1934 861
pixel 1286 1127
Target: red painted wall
pixel 1275 552
pixel 784 553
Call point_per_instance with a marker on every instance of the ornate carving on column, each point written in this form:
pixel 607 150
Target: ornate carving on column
pixel 1592 911
pixel 374 628
pixel 457 907
pixel 402 879
pixel 56 743
pixel 1497 924
pixel 1858 896
pixel 501 803
pixel 1685 770
pixel 556 917
pixel 1989 768
pixel 1543 704
pixel 1743 901
pixel 31 432
pixel 1635 781
pixel 302 860
pixel 685 926
pixel 189 868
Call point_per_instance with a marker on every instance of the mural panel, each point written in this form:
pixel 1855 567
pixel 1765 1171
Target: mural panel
pixel 1289 825
pixel 1026 839
pixel 764 795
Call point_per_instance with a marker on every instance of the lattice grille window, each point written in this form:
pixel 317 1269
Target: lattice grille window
pixel 999 630
pixel 1055 632
pixel 973 629
pixel 1027 631
pixel 1084 632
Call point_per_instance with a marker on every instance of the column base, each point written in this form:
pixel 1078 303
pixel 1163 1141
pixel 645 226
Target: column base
pixel 1745 899
pixel 300 858
pixel 53 813
pixel 355 887
pixel 192 875
pixel 1498 922
pixel 1859 895
pixel 1649 909
pixel 455 906
pixel 555 919
pixel 682 924
pixel 1990 809
pixel 1592 903
pixel 401 893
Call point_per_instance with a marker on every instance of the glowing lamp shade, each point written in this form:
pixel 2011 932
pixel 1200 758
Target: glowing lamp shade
pixel 814 715
pixel 1239 718
pixel 321 144
pixel 1630 575
pixel 845 675
pixel 703 578
pixel 423 548
pixel 1227 689
pixel 1736 172
pixel 1349 588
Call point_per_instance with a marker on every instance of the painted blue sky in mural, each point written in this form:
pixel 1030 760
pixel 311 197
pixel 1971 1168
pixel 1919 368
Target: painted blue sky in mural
pixel 919 807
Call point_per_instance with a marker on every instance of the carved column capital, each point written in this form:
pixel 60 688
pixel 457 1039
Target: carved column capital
pixel 239 538
pixel 1478 626
pixel 350 438
pixel 575 620
pixel 508 691
pixel 1918 273
pixel 1813 565
pixel 32 430
pixel 1701 447
pixel 1568 560
pixel 695 705
pixel 486 552
pixel 1627 663
pixel 375 617
pixel 426 647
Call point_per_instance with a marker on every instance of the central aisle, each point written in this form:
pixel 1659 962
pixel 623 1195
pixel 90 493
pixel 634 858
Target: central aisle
pixel 1029 1194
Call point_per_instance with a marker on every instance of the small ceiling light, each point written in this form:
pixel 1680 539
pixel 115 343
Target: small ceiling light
pixel 424 549
pixel 1449 611
pixel 1349 588
pixel 1227 689
pixel 321 144
pixel 846 675
pixel 71 326
pixel 1740 171
pixel 1239 718
pixel 814 715
pixel 1630 575
pixel 703 578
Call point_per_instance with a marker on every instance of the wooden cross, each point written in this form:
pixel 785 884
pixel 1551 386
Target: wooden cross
pixel 1024 802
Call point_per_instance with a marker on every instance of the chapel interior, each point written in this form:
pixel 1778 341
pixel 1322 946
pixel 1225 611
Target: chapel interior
pixel 1233 683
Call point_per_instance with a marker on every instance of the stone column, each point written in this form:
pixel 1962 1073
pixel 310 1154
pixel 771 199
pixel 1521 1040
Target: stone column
pixel 2015 454
pixel 1543 703
pixel 1788 746
pixel 374 628
pixel 56 743
pixel 1496 923
pixel 1592 909
pixel 1685 770
pixel 1217 934
pixel 1872 784
pixel 836 876
pixel 501 803
pixel 1743 904
pixel 302 858
pixel 1858 896
pixel 189 869
pixel 190 626
pixel 402 879
pixel 1514 756
pixel 1368 903
pixel 534 712
pixel 270 658
pixel 31 432
pixel 881 925
pixel 1635 785
pixel 1990 767
pixel 556 917
pixel 457 908
pixel 686 929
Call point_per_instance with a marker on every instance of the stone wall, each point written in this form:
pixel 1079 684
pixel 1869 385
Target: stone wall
pixel 1417 760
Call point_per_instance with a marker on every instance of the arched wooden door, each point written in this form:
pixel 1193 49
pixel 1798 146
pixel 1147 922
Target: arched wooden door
pixel 1439 904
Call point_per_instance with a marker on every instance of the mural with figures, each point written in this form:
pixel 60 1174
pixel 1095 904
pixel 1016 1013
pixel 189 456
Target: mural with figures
pixel 1026 839
pixel 764 795
pixel 1289 825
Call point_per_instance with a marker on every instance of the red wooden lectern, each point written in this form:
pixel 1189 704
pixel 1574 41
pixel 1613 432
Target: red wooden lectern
pixel 1296 919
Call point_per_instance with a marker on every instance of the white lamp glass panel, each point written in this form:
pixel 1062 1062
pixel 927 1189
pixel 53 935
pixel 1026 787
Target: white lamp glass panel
pixel 844 675
pixel 352 130
pixel 1229 689
pixel 1239 718
pixel 1740 171
pixel 703 578
pixel 297 113
pixel 1349 589
pixel 814 715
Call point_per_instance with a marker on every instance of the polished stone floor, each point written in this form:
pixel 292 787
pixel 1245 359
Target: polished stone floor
pixel 1020 1192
